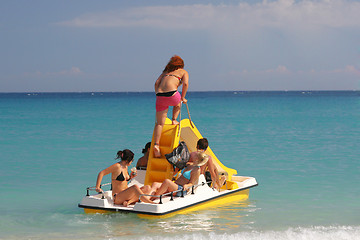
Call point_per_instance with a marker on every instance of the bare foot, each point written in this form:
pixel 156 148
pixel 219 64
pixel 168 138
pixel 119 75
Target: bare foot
pixel 174 122
pixel 222 182
pixel 157 152
pixel 152 198
pixel 125 203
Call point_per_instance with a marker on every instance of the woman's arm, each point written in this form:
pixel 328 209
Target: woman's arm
pixel 102 174
pixel 214 173
pixel 157 83
pixel 185 83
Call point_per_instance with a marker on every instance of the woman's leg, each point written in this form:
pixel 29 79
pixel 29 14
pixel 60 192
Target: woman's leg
pixel 166 186
pixel 123 196
pixel 131 195
pixel 160 121
pixel 154 187
pixel 176 111
pixel 138 191
pixel 222 181
pixel 146 189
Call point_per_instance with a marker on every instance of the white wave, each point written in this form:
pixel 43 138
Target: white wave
pixel 300 233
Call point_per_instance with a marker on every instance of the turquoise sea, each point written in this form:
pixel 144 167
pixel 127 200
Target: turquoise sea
pixel 302 147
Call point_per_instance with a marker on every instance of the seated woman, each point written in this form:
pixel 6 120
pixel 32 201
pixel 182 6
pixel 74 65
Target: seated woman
pixel 119 178
pixel 143 161
pixel 189 176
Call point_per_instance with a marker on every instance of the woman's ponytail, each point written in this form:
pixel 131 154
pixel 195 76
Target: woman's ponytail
pixel 119 155
pixel 125 155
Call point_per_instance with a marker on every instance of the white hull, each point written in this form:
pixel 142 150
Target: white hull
pixel 203 195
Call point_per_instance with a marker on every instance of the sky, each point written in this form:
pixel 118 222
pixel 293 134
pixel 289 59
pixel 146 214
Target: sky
pixel 117 46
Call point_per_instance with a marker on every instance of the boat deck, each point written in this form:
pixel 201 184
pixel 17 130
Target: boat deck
pixel 203 195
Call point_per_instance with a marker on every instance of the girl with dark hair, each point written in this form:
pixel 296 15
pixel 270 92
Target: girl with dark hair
pixel 143 161
pixel 167 95
pixel 119 179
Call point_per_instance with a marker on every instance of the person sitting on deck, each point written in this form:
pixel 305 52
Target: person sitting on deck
pixel 142 162
pixel 201 147
pixel 190 175
pixel 119 179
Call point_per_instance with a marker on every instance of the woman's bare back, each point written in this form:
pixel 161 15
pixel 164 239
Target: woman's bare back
pixel 170 81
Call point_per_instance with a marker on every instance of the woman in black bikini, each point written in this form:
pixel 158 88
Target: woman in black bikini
pixel 167 95
pixel 119 178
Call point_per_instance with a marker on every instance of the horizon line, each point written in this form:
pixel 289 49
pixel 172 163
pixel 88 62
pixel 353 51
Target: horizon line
pixel 354 90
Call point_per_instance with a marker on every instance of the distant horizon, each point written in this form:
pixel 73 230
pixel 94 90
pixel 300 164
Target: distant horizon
pixel 355 90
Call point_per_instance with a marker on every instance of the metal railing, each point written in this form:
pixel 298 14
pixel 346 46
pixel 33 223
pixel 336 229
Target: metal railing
pixel 187 107
pixel 88 189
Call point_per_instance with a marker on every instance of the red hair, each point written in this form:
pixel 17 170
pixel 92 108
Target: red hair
pixel 175 63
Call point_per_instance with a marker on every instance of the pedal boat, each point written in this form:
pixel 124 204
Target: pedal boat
pixel 201 196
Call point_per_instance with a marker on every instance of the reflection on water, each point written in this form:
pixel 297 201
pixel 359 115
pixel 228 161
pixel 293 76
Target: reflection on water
pixel 219 219
pixel 69 225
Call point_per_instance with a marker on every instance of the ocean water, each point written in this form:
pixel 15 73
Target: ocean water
pixel 302 147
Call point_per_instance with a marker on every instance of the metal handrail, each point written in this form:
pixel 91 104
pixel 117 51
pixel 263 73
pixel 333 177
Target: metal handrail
pixel 180 120
pixel 94 189
pixel 188 111
pixel 187 107
pixel 156 196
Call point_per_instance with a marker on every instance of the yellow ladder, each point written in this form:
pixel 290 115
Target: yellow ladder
pixel 158 169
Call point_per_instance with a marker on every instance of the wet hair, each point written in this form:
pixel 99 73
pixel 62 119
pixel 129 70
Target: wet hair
pixel 202 144
pixel 125 155
pixel 175 63
pixel 147 146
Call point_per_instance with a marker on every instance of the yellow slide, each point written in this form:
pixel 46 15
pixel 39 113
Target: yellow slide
pixel 158 169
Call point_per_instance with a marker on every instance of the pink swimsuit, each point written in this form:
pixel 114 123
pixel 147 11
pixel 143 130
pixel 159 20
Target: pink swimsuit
pixel 163 102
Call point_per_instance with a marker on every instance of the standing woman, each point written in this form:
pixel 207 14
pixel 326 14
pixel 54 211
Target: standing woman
pixel 119 179
pixel 167 95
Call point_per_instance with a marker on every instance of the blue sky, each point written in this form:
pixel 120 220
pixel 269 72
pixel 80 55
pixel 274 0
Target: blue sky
pixel 91 45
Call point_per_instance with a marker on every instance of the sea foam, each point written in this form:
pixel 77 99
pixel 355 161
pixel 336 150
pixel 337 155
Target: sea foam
pixel 299 233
